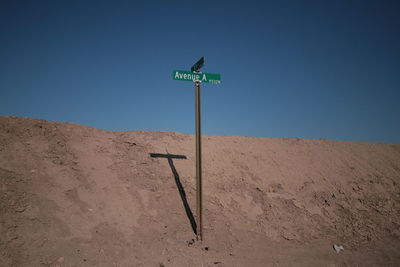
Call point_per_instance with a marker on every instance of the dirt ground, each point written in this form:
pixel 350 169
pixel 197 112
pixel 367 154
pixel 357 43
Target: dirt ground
pixel 72 195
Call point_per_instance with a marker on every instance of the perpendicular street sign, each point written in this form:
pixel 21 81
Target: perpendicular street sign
pixel 193 76
pixel 198 65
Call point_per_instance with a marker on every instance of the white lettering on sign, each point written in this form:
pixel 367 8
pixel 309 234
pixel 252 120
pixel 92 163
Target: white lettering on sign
pixel 204 78
pixel 189 76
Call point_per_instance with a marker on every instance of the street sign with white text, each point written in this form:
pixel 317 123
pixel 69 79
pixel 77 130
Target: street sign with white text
pixel 193 76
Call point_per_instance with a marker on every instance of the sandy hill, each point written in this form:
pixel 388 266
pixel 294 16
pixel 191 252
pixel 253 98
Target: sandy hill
pixel 72 195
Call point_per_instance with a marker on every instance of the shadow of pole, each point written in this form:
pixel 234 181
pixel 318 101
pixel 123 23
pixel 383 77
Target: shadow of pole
pixel 179 185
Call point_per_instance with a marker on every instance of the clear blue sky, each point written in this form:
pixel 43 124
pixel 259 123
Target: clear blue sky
pixel 308 69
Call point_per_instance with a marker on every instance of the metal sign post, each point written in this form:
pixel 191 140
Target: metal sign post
pixel 197 77
pixel 199 199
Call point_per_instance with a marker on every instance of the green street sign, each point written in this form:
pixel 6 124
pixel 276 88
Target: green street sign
pixel 192 76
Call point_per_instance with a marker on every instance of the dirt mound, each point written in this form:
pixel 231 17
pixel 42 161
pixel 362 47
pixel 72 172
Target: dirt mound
pixel 72 195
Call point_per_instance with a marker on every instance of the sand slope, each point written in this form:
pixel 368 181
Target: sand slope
pixel 72 195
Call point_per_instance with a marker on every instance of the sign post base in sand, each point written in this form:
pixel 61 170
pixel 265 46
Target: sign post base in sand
pixel 197 77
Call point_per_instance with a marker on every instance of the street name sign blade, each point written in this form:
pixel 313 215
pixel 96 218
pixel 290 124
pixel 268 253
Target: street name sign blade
pixel 183 75
pixel 198 65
